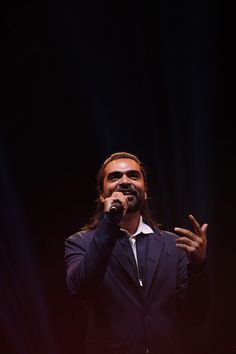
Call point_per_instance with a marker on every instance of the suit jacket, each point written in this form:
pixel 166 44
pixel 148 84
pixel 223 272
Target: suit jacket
pixel 122 317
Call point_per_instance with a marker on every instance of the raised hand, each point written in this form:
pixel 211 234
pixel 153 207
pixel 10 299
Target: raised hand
pixel 194 243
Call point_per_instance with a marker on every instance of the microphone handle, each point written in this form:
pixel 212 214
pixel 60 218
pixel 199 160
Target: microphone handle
pixel 116 207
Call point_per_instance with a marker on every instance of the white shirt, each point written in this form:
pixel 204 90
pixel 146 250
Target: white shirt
pixel 142 227
pixel 145 229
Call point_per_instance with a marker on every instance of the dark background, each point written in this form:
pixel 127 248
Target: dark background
pixel 84 79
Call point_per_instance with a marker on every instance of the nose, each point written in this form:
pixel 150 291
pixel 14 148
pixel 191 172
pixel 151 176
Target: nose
pixel 124 181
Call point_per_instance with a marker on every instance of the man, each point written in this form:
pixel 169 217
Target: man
pixel 140 285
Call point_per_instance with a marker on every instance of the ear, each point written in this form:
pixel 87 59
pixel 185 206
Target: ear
pixel 145 196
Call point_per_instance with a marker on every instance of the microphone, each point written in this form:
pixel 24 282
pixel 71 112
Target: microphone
pixel 116 208
pixel 115 214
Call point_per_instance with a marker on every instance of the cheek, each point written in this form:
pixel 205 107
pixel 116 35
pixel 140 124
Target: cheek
pixel 108 190
pixel 141 188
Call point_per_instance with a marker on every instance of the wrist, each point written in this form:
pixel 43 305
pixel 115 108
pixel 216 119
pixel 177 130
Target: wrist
pixel 112 218
pixel 198 267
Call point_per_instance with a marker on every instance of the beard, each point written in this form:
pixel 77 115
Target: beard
pixel 135 202
pixel 136 198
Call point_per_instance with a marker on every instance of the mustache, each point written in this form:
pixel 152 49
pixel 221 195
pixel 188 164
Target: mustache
pixel 130 189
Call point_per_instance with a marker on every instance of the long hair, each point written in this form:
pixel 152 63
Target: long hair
pixel 145 212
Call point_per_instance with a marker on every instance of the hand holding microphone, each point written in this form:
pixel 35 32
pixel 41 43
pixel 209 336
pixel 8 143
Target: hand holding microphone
pixel 116 206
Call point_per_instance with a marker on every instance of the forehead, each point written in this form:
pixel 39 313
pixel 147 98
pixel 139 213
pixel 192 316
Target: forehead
pixel 121 165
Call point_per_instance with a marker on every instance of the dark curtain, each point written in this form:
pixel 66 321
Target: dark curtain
pixel 84 79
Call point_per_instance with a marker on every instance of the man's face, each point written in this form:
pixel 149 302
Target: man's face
pixel 124 175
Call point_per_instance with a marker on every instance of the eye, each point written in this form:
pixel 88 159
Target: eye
pixel 134 175
pixel 112 177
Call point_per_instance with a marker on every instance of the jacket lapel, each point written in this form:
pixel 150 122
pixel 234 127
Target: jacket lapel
pixel 126 259
pixel 123 254
pixel 155 247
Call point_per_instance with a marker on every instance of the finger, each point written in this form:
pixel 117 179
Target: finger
pixel 118 196
pixel 187 248
pixel 185 232
pixel 186 241
pixel 204 228
pixel 196 225
pixel 199 230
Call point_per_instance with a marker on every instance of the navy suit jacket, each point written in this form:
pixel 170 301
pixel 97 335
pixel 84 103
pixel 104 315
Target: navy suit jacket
pixel 122 317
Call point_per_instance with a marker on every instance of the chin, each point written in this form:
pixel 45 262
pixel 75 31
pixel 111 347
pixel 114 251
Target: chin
pixel 135 206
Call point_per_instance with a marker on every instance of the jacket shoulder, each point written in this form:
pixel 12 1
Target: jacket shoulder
pixel 170 241
pixel 167 235
pixel 80 237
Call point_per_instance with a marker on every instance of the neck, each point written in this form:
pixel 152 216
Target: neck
pixel 130 222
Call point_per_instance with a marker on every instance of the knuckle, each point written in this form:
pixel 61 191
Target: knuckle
pixel 200 242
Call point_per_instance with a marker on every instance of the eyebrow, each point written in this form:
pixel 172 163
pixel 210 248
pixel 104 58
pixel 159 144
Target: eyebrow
pixel 128 173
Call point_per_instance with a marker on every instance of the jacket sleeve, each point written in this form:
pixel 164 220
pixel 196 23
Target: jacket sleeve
pixel 87 258
pixel 193 294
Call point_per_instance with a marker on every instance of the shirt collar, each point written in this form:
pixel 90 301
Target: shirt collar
pixel 142 228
